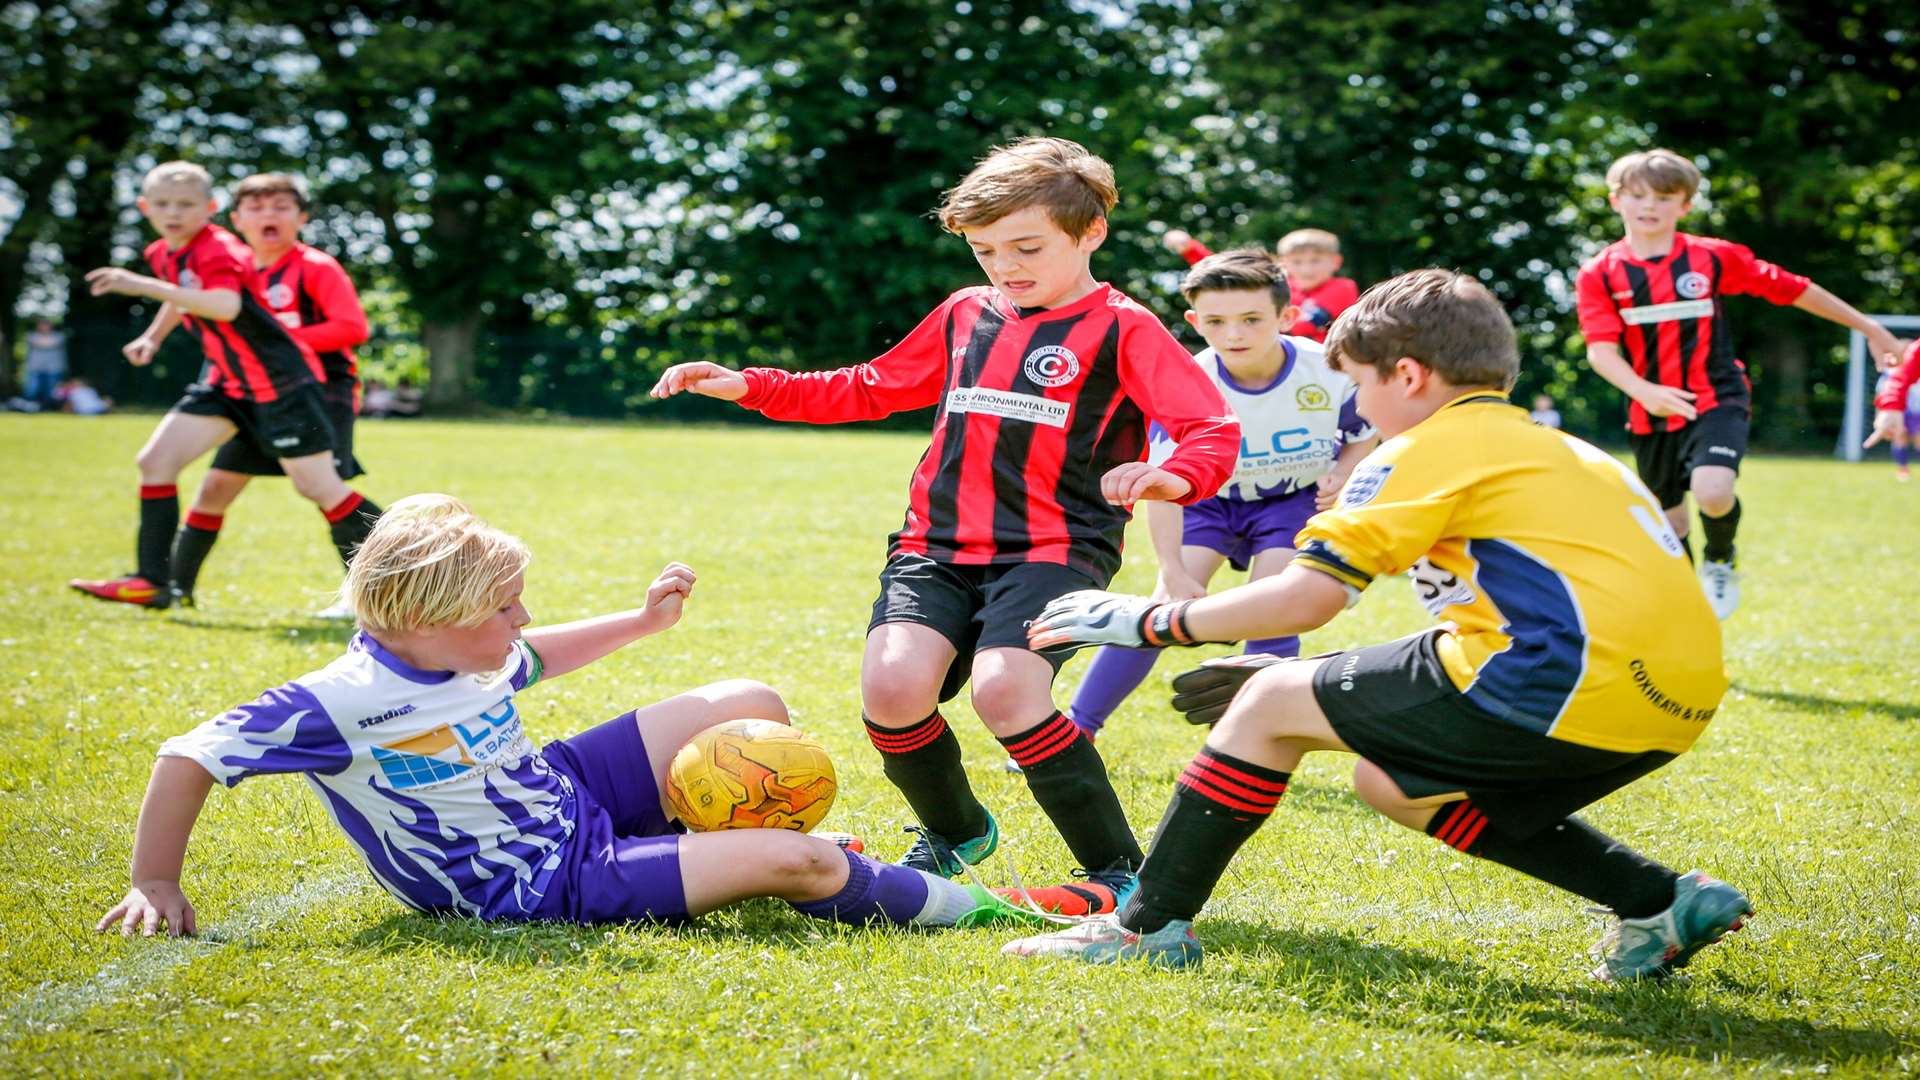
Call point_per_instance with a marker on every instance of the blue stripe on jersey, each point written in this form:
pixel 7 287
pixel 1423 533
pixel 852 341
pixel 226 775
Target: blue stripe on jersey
pixel 1531 681
pixel 288 730
pixel 398 873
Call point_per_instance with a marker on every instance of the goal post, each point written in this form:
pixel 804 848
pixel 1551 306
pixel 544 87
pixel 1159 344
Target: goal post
pixel 1860 377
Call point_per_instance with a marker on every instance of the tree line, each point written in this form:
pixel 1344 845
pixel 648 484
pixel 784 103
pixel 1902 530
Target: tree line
pixel 552 202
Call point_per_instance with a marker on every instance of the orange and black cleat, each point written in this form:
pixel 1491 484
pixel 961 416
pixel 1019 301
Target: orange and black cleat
pixel 131 589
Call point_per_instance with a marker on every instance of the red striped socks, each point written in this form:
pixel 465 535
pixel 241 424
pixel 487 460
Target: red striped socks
pixel 1069 781
pixel 1219 802
pixel 923 761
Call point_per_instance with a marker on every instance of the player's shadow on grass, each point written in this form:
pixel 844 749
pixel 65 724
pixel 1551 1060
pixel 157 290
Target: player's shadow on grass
pixel 1374 983
pixel 1898 710
pixel 293 627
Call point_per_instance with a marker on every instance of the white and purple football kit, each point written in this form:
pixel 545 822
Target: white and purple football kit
pixel 432 776
pixel 1291 433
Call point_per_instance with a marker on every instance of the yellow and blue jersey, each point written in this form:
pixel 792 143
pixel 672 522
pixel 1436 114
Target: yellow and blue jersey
pixel 1568 606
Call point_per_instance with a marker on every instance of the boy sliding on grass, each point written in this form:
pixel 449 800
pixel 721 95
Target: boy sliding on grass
pixel 260 383
pixel 1574 654
pixel 1044 383
pixel 1300 435
pixel 415 744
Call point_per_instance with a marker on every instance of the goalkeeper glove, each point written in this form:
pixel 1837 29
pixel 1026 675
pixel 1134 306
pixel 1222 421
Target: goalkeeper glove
pixel 1204 693
pixel 1095 617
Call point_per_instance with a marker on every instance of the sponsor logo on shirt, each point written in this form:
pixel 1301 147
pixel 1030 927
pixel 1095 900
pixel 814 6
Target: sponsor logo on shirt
pixel 279 295
pixel 1364 484
pixel 1008 405
pixel 1673 312
pixel 1313 397
pixel 451 750
pixel 1692 285
pixel 1052 365
pixel 385 716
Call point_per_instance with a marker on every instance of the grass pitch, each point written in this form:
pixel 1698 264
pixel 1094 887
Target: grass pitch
pixel 1339 944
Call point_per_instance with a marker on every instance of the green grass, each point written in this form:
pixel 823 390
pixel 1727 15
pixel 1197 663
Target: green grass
pixel 1338 944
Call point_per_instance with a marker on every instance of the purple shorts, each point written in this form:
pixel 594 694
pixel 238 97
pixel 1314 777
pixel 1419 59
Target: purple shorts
pixel 1912 420
pixel 1240 530
pixel 623 863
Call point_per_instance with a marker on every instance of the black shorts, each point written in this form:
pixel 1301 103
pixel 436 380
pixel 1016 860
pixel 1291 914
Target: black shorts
pixel 1666 459
pixel 1396 707
pixel 240 454
pixel 293 425
pixel 974 607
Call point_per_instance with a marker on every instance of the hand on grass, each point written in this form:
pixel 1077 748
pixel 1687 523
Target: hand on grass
pixel 147 907
pixel 666 597
pixel 1667 401
pixel 1127 484
pixel 702 377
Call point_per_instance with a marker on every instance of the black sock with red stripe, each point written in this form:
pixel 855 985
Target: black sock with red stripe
pixel 1571 855
pixel 350 522
pixel 191 546
pixel 159 516
pixel 1218 802
pixel 923 761
pixel 1070 783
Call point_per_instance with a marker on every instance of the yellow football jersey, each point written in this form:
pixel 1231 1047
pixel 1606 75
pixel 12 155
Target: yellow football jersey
pixel 1568 605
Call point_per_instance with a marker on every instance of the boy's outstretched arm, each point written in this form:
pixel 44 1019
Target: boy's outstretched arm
pixel 1606 358
pixel 139 352
pixel 574 645
pixel 1292 602
pixel 1882 346
pixel 220 305
pixel 174 796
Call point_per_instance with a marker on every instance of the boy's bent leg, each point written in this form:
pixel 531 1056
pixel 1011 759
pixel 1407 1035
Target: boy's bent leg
pixel 178 439
pixel 350 515
pixel 900 678
pixel 1228 792
pixel 1570 854
pixel 816 876
pixel 1012 693
pixel 1116 671
pixel 195 540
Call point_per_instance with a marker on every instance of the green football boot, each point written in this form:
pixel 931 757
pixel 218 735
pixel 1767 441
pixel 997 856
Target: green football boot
pixel 937 855
pixel 1703 911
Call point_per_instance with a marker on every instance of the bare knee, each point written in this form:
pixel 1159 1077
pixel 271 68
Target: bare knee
pixel 1712 489
pixel 802 865
pixel 740 699
pixel 324 490
pixel 156 464
pixel 896 695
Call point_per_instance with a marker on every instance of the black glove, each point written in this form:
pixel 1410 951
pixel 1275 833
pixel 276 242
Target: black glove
pixel 1204 693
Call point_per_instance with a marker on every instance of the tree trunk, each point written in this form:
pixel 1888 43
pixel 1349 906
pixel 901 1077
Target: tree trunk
pixel 450 360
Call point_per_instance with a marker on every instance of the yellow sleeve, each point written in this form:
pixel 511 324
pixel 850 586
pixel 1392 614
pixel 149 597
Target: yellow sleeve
pixel 1401 500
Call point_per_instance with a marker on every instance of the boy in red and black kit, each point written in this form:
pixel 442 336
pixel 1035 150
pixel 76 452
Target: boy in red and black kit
pixel 259 381
pixel 310 293
pixel 1651 315
pixel 1311 258
pixel 1045 383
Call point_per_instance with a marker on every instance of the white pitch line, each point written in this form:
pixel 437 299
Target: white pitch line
pixel 151 961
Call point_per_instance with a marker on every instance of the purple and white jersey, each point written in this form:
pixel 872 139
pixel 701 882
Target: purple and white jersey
pixel 430 774
pixel 1291 430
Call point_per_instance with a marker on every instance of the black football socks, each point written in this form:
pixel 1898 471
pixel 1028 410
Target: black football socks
pixel 1719 534
pixel 1218 802
pixel 350 522
pixel 1570 855
pixel 159 516
pixel 191 545
pixel 1070 783
pixel 923 761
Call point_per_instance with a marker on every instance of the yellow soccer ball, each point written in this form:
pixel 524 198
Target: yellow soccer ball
pixel 751 774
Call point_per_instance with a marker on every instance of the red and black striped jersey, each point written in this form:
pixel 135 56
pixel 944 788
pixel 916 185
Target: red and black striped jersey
pixel 1901 380
pixel 1665 313
pixel 311 295
pixel 252 358
pixel 1033 409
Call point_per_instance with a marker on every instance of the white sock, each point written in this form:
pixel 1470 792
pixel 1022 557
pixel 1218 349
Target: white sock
pixel 946 901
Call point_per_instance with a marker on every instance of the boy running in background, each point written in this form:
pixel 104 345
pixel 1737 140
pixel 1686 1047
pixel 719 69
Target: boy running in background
pixel 1300 436
pixel 1044 384
pixel 1896 406
pixel 1655 328
pixel 1311 258
pixel 259 382
pixel 1573 654
pixel 415 744
pixel 310 294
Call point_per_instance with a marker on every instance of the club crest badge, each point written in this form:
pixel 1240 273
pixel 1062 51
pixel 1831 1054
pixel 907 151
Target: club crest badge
pixel 1052 365
pixel 1692 285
